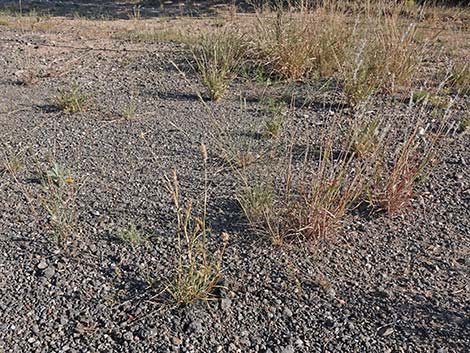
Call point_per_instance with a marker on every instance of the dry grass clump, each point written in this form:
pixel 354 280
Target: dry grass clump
pixel 383 59
pixel 298 43
pixel 197 272
pixel 378 164
pixel 370 51
pixel 405 163
pixel 311 198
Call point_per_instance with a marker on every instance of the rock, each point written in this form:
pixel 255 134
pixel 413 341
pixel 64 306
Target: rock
pixel 196 326
pixel 288 349
pixel 128 336
pixel 176 341
pixel 385 331
pixel 42 265
pixel 288 312
pixel 49 272
pixel 225 304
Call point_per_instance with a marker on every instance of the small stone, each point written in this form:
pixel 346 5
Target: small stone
pixel 330 292
pixel 385 331
pixel 288 312
pixel 128 336
pixel 225 304
pixel 196 326
pixel 299 343
pixel 42 265
pixel 49 272
pixel 176 341
pixel 288 349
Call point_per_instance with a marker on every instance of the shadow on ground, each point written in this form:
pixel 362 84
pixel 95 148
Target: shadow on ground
pixel 121 9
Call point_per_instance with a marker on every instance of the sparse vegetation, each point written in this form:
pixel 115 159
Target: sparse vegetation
pixel 197 271
pixel 59 201
pixel 131 235
pixel 330 121
pixel 72 100
pixel 217 57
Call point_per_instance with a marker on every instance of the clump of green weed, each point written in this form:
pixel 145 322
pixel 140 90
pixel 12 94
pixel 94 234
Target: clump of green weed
pixel 255 202
pixel 364 138
pixel 72 100
pixel 460 78
pixel 217 56
pixel 275 110
pixel 129 111
pixel 59 201
pixel 12 162
pixel 131 235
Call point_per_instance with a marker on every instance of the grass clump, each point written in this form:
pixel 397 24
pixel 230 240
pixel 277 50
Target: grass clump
pixel 72 100
pixel 297 43
pixel 460 78
pixel 364 138
pixel 217 56
pixel 59 201
pixel 197 273
pixel 256 201
pixel 310 198
pixel 395 182
pixel 276 112
pixel 131 235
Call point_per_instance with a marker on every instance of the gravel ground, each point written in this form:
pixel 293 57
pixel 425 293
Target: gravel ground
pixel 385 284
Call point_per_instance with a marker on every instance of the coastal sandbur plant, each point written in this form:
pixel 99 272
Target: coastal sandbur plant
pixel 325 197
pixel 59 201
pixel 402 164
pixel 131 235
pixel 197 271
pixel 217 56
pixel 310 199
pixel 72 100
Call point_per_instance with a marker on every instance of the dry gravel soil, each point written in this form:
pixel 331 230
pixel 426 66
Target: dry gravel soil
pixel 384 284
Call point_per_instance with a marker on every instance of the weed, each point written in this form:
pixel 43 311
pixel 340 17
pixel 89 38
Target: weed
pixel 71 101
pixel 256 201
pixel 420 96
pixel 128 112
pixel 59 201
pixel 12 163
pixel 276 110
pixel 364 138
pixel 395 181
pixel 310 199
pixel 197 273
pixel 131 235
pixel 217 57
pixel 296 43
pixel 464 123
pixel 273 127
pixel 136 14
pixel 461 78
